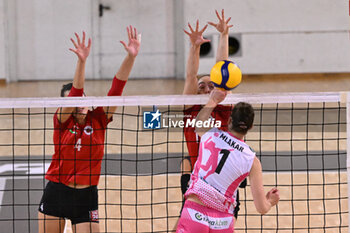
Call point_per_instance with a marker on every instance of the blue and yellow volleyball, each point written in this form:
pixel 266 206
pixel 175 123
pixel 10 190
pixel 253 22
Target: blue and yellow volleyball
pixel 226 75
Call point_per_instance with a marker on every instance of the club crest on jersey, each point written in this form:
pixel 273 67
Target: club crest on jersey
pixel 74 129
pixel 88 130
pixel 94 215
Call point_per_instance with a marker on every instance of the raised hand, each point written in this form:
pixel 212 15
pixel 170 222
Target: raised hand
pixel 196 36
pixel 133 46
pixel 217 95
pixel 81 50
pixel 222 26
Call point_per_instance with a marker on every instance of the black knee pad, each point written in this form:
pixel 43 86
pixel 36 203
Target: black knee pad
pixel 185 178
pixel 188 158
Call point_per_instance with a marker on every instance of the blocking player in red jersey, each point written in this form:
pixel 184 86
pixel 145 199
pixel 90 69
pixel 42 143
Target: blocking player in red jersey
pixel 224 161
pixel 195 84
pixel 79 135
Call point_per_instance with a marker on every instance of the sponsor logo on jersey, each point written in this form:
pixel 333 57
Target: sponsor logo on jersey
pixel 198 216
pixel 94 215
pixel 212 222
pixel 74 129
pixel 88 130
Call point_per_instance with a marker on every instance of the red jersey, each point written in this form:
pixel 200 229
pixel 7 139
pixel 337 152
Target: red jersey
pixel 221 113
pixel 79 149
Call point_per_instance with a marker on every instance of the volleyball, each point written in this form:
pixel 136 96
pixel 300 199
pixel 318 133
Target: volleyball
pixel 225 75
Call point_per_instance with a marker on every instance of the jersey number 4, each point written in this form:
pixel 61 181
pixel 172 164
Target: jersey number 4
pixel 78 144
pixel 223 159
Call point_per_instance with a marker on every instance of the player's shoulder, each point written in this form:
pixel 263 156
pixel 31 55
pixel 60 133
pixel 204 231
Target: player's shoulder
pixel 193 110
pixel 251 151
pixel 227 135
pixel 61 125
pixel 97 113
pixel 214 130
pixel 221 107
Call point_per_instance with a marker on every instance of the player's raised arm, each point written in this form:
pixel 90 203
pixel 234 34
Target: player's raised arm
pixel 196 39
pixel 120 79
pixel 82 51
pixel 223 28
pixel 262 202
pixel 215 97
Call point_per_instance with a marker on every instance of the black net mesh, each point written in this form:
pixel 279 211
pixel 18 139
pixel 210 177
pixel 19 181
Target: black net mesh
pixel 302 147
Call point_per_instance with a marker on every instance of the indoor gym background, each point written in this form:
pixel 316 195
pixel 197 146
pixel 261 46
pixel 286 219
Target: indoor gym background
pixel 284 47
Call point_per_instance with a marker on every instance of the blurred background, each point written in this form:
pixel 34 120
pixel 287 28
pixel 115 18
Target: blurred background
pixel 280 45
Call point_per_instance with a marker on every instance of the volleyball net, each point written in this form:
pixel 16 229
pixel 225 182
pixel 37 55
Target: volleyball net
pixel 301 140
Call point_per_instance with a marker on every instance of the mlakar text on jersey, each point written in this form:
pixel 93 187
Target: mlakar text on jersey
pixel 233 144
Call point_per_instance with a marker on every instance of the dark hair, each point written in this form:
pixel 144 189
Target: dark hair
pixel 199 76
pixel 242 116
pixel 66 87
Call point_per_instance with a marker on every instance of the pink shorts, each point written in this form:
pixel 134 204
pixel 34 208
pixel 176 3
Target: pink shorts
pixel 197 218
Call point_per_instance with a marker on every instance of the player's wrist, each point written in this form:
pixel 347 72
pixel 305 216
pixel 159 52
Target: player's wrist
pixel 81 61
pixel 271 203
pixel 195 47
pixel 211 104
pixel 131 56
pixel 224 33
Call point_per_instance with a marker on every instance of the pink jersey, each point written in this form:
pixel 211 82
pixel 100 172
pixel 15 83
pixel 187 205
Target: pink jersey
pixel 223 163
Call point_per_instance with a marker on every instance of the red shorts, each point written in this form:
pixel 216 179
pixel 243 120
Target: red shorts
pixel 197 218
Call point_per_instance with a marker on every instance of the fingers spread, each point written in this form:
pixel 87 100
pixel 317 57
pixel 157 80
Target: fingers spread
pixel 212 24
pixel 189 25
pixel 78 38
pixel 73 50
pixel 75 45
pixel 129 33
pixel 217 14
pixel 187 32
pixel 135 33
pixel 83 38
pixel 123 43
pixel 203 29
pixel 89 43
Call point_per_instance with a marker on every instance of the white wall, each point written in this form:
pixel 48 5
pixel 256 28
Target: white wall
pixel 155 21
pixel 281 36
pixel 40 31
pixel 278 36
pixel 3 64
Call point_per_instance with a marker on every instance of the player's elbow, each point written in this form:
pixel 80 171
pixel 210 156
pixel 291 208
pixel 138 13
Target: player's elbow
pixel 199 131
pixel 263 209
